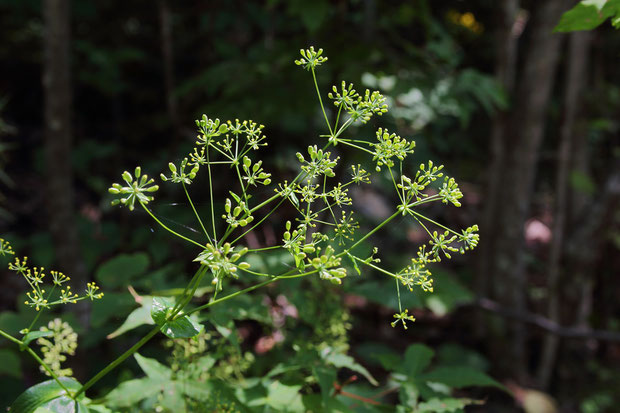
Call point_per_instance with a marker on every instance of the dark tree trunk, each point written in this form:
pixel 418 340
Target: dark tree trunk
pixel 58 113
pixel 521 136
pixel 168 57
pixel 573 86
pixel 505 67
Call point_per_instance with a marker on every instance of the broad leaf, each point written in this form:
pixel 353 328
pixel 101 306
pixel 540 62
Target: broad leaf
pixel 10 363
pixel 161 309
pixel 342 360
pixel 417 359
pixel 42 393
pixel 131 392
pixel 326 378
pixel 589 14
pixel 460 376
pixel 62 404
pixel 119 271
pixel 183 327
pixel 153 368
pixel 445 405
pixel 138 317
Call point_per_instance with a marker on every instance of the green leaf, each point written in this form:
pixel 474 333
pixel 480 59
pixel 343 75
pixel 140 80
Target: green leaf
pixel 39 394
pixel 131 392
pixel 448 294
pixel 62 404
pixel 110 306
pixel 33 335
pixel 183 327
pixel 589 14
pixel 120 270
pixel 153 368
pixel 10 363
pixel 445 405
pixel 138 317
pixel 460 376
pixel 283 397
pixel 160 310
pixel 417 359
pixel 326 378
pixel 342 360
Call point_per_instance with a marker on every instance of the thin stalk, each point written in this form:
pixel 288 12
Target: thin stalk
pixel 10 338
pixel 434 222
pixel 375 229
pixel 190 284
pixel 168 229
pixel 49 370
pixel 211 197
pixel 118 361
pixel 195 212
pixel 355 146
pixel 316 85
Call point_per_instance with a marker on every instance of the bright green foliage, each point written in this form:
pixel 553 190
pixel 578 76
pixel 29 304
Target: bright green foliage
pixel 589 14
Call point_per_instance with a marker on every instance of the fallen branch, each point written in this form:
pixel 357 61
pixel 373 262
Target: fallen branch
pixel 547 324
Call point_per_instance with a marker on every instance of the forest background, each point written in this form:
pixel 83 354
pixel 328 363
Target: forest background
pixel 526 118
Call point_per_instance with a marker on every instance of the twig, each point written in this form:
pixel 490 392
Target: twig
pixel 547 324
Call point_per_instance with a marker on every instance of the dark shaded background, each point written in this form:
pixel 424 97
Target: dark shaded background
pixel 525 119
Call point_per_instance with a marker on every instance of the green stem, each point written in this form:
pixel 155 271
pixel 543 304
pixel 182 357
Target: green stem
pixel 316 85
pixel 10 338
pixel 375 229
pixel 235 294
pixel 211 197
pixel 189 285
pixel 355 146
pixel 49 370
pixel 116 362
pixel 195 212
pixel 168 229
pixel 434 222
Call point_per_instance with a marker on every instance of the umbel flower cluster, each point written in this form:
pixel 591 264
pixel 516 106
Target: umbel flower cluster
pixel 322 239
pixel 38 297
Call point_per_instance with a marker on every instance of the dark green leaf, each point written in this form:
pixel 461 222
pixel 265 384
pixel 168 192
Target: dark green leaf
pixel 10 363
pixel 445 405
pixel 183 327
pixel 417 359
pixel 41 393
pixel 589 14
pixel 136 318
pixel 33 335
pixel 160 310
pixel 326 378
pixel 131 392
pixel 153 368
pixel 342 360
pixel 118 271
pixel 459 376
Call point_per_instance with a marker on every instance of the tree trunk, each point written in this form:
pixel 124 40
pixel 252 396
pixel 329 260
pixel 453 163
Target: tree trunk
pixel 168 57
pixel 505 68
pixel 521 140
pixel 574 82
pixel 58 113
